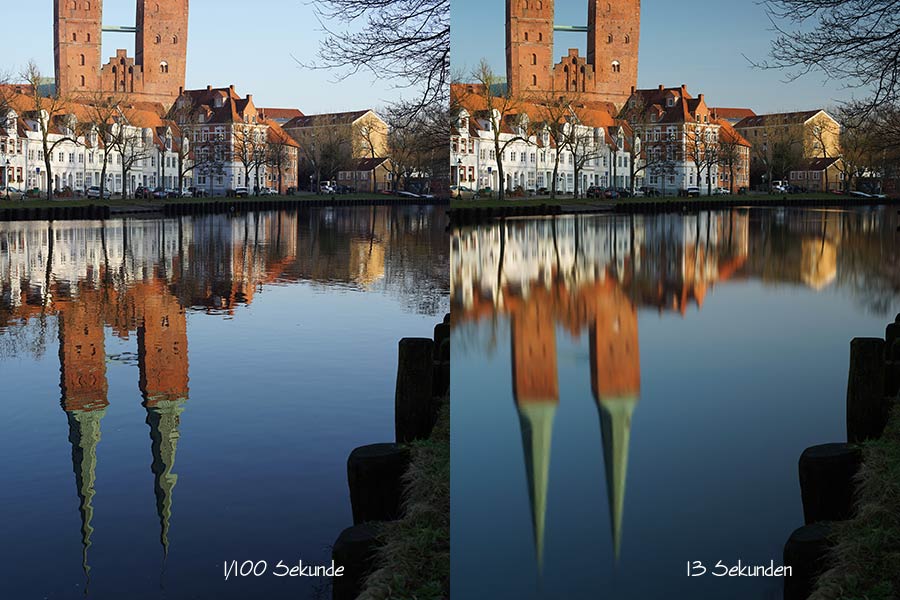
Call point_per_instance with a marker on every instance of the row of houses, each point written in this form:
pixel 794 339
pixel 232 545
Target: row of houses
pixel 662 139
pixel 211 139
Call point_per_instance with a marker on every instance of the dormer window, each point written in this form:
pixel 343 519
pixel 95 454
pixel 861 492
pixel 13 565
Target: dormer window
pixel 670 101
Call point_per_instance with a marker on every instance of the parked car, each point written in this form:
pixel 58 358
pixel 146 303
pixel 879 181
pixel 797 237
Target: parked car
pixel 13 193
pixel 142 192
pixel 720 191
pixel 345 189
pixel 595 191
pixel 692 192
pixel 160 193
pixel 267 191
pixel 639 193
pixel 197 192
pixel 239 192
pixel 611 193
pixel 859 194
pixel 94 192
pixel 649 192
pixel 541 191
pixel 187 193
pixel 624 193
pixel 462 192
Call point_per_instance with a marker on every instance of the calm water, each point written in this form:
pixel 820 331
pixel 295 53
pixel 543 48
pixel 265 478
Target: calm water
pixel 177 393
pixel 633 393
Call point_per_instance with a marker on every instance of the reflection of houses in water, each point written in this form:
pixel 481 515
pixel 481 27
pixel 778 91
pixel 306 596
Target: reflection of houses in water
pixel 586 275
pixel 138 276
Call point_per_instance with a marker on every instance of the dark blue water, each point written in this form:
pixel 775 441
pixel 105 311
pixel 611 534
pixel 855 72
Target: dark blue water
pixel 177 393
pixel 633 393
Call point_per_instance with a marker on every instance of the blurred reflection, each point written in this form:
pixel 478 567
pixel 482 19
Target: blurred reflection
pixel 142 276
pixel 593 274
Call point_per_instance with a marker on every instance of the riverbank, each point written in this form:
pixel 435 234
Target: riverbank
pixel 83 208
pixel 866 548
pixel 477 211
pixel 414 558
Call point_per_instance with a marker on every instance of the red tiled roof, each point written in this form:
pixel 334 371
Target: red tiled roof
pixel 732 113
pixel 790 118
pixel 279 113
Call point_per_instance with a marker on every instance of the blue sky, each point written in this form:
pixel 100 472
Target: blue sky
pixel 229 42
pixel 700 43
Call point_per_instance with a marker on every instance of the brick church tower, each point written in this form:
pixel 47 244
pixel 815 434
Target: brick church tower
pixel 529 44
pixel 606 74
pixel 161 45
pixel 76 48
pixel 155 74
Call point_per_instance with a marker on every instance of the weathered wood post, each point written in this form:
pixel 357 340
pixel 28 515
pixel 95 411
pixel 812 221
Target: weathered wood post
pixel 441 361
pixel 866 406
pixel 413 411
pixel 375 476
pixel 805 553
pixel 827 487
pixel 353 550
pixel 892 360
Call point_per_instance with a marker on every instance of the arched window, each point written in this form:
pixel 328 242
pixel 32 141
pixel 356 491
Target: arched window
pixel 74 37
pixel 131 70
pixel 174 39
pixel 73 5
pixel 627 39
pixel 158 39
pixel 87 6
pixel 616 67
pixel 114 70
pixel 82 81
pixel 540 37
pixel 526 36
pixel 82 61
pixel 540 5
pixel 534 80
pixel 88 37
pixel 534 59
pixel 609 39
pixel 163 67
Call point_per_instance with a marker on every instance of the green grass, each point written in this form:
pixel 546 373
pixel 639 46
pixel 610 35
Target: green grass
pixel 865 561
pixel 569 201
pixel 414 561
pixel 67 202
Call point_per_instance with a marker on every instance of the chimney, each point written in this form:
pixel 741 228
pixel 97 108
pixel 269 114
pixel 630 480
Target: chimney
pixel 661 87
pixel 683 89
pixel 632 90
pixel 231 88
pixel 180 90
pixel 700 97
pixel 209 88
pixel 249 97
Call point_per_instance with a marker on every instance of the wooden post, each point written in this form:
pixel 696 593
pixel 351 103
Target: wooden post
pixel 866 406
pixel 375 476
pixel 441 334
pixel 892 368
pixel 353 550
pixel 827 485
pixel 413 411
pixel 805 552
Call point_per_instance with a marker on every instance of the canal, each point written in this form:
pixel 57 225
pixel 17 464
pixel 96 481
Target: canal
pixel 633 392
pixel 178 393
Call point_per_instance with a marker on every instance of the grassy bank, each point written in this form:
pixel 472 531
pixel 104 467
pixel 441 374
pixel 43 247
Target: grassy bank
pixel 414 561
pixel 120 202
pixel 569 201
pixel 865 561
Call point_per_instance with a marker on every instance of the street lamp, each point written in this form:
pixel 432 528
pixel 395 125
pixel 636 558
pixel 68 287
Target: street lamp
pixel 6 179
pixel 458 171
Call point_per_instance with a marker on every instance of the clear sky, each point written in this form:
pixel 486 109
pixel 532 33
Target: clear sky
pixel 251 45
pixel 700 43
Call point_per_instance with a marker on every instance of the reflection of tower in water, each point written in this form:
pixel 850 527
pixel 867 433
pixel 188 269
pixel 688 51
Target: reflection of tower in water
pixel 163 363
pixel 536 392
pixel 82 358
pixel 616 384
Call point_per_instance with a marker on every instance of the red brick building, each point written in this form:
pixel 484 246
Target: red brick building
pixel 608 72
pixel 155 74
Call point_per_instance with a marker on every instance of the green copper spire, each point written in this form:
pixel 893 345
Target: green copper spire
pixel 536 420
pixel 615 427
pixel 163 418
pixel 84 435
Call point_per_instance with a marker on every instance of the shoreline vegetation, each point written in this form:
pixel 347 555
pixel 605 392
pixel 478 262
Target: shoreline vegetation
pixel 863 560
pixel 413 560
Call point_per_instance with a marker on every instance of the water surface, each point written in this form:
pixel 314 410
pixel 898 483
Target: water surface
pixel 177 393
pixel 631 393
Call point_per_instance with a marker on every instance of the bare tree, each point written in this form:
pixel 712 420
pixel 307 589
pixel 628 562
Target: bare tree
pixel 105 124
pixel 555 127
pixel 326 150
pixel 498 107
pixel 47 110
pixel 585 148
pixel 701 148
pixel 821 136
pixel 250 149
pixel 853 41
pixel 406 42
pixel 730 154
pixel 133 150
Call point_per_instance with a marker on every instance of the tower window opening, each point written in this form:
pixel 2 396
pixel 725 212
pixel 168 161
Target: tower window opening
pixel 534 80
pixel 74 37
pixel 526 36
pixel 609 39
pixel 627 39
pixel 158 39
pixel 82 60
pixel 88 37
pixel 540 37
pixel 163 67
pixel 82 81
pixel 534 59
pixel 616 67
pixel 174 39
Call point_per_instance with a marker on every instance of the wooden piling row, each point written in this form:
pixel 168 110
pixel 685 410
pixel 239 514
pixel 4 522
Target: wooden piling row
pixel 375 472
pixel 828 471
